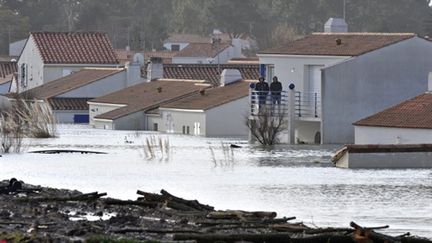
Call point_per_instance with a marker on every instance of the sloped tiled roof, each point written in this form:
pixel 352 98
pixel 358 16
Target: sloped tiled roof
pixel 210 98
pixel 413 113
pixel 145 96
pixel 7 68
pixel 70 82
pixel 351 44
pixel 208 72
pixel 202 50
pixel 75 48
pixel 69 103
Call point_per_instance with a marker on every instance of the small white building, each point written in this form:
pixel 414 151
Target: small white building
pixel 208 53
pixel 47 56
pixel 213 112
pixel 409 122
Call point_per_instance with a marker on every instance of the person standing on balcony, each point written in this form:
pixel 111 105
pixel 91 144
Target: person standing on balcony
pixel 262 89
pixel 276 91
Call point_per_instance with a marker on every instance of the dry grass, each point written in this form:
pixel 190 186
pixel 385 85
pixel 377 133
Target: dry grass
pixel 25 119
pixel 156 148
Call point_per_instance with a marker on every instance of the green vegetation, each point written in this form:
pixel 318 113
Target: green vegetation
pixel 145 24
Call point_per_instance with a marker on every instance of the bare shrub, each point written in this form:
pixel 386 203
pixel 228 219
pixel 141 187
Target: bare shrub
pixel 156 147
pixel 267 125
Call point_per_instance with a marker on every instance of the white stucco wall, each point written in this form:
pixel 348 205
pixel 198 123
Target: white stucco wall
pixel 99 88
pixel 152 119
pixel 293 68
pixel 305 131
pixel 228 119
pixel 103 124
pixel 96 109
pixel 389 135
pixel 134 121
pixel 31 57
pixel 174 120
pixel 367 84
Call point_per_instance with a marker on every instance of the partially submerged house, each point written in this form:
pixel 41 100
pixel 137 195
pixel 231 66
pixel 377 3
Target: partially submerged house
pixel 139 107
pixel 339 78
pixel 7 71
pixel 215 112
pixel 47 56
pixel 409 122
pixel 68 95
pixel 127 109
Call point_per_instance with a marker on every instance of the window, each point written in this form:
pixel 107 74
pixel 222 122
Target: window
pixel 270 73
pixel 24 75
pixel 175 47
pixel 186 130
pixel 197 128
pixel 155 127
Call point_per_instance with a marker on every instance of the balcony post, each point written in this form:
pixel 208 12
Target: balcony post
pixel 291 114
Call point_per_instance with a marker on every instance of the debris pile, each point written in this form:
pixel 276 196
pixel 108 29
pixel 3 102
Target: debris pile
pixel 33 214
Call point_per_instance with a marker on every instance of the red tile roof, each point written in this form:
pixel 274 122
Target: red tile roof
pixel 210 98
pixel 69 103
pixel 351 44
pixel 413 113
pixel 70 82
pixel 145 96
pixel 75 47
pixel 208 72
pixel 7 68
pixel 202 50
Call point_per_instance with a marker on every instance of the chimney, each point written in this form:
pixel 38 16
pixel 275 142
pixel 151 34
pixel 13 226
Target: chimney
pixel 133 72
pixel 155 69
pixel 237 45
pixel 430 82
pixel 335 25
pixel 229 76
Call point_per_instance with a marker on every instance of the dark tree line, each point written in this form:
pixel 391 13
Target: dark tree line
pixel 145 23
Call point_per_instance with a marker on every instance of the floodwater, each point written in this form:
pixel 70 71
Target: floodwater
pixel 291 180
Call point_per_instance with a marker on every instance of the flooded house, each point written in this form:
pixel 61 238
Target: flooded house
pixel 180 98
pixel 338 77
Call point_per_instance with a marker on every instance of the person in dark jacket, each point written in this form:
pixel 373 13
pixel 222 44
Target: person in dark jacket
pixel 262 89
pixel 276 91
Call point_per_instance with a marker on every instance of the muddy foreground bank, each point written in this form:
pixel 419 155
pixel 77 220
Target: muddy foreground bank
pixel 31 213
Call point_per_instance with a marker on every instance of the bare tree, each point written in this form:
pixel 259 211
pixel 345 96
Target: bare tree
pixel 267 125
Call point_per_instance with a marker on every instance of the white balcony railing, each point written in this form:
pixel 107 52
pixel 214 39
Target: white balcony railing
pixel 307 104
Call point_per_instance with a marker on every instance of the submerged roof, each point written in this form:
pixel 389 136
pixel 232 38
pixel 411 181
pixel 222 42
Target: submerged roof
pixel 339 44
pixel 145 96
pixel 413 113
pixel 70 82
pixel 210 98
pixel 75 48
pixel 208 72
